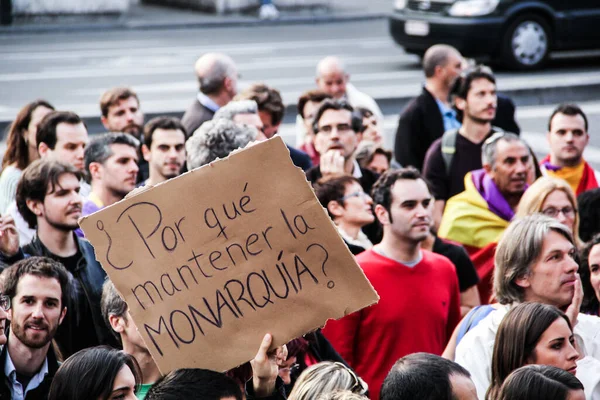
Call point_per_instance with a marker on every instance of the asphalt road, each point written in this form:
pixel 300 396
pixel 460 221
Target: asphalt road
pixel 71 70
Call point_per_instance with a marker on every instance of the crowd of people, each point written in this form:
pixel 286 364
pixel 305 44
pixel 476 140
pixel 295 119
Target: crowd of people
pixel 486 260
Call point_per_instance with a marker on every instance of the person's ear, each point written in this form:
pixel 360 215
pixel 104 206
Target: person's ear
pixel 116 323
pixel 104 121
pixel 146 153
pixel 43 149
pixel 335 208
pixel 95 169
pixel 488 168
pixel 523 281
pixel 383 215
pixel 460 103
pixel 62 315
pixel 35 206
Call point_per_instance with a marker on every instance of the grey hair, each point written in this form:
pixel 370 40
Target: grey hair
pixel 322 378
pixel 111 303
pixel 222 67
pixel 234 108
pixel 437 55
pixel 520 247
pixel 99 148
pixel 216 139
pixel 490 146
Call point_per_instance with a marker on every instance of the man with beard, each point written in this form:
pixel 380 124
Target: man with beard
pixel 419 293
pixel 38 288
pixel 111 161
pixel 48 198
pixel 477 217
pixel 121 111
pixel 458 151
pixel 163 149
pixel 568 137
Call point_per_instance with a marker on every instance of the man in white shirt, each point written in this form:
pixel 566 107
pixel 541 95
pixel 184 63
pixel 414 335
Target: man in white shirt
pixel 534 262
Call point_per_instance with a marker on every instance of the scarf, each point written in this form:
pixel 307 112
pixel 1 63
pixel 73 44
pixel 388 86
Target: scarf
pixel 580 177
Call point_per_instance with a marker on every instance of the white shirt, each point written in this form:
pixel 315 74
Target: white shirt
pixel 16 389
pixel 474 352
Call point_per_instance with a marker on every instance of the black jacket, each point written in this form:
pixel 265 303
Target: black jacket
pixel 90 277
pixel 421 123
pixel 40 392
pixel 300 158
pixel 195 116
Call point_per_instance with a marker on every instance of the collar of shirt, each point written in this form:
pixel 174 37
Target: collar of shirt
pixel 11 373
pixel 207 102
pixel 449 116
pixel 356 172
pixel 362 240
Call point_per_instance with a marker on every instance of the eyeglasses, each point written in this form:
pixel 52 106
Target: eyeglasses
pixel 359 194
pixel 568 212
pixel 341 128
pixel 358 386
pixel 5 302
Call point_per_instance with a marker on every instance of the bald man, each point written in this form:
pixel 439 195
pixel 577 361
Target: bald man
pixel 217 78
pixel 333 78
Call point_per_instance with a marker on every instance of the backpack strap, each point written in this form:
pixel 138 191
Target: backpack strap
pixel 472 319
pixel 449 147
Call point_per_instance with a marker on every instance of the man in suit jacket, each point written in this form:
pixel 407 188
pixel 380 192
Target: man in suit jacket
pixel 217 77
pixel 430 114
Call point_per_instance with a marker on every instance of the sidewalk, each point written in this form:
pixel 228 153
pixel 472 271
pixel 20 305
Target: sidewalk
pixel 144 16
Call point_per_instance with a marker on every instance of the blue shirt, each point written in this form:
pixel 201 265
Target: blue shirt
pixel 448 116
pixel 207 102
pixel 16 389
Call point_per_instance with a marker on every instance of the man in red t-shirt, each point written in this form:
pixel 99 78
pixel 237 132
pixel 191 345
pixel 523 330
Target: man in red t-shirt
pixel 419 305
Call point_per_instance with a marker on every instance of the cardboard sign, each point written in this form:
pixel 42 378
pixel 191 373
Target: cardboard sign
pixel 212 260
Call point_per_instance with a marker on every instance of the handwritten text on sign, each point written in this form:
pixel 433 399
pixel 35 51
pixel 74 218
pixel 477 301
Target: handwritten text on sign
pixel 211 261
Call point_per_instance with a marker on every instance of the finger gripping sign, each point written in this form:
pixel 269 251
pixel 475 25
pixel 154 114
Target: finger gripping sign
pixel 212 260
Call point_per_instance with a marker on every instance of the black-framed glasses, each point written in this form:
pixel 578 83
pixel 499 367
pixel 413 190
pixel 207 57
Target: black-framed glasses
pixel 5 302
pixel 359 194
pixel 568 212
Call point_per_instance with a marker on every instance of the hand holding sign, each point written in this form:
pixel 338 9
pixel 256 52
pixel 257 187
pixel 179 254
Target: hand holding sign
pixel 208 261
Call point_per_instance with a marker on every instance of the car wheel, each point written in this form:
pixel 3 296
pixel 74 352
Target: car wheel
pixel 526 43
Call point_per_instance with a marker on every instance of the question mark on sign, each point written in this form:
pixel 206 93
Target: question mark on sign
pixel 330 284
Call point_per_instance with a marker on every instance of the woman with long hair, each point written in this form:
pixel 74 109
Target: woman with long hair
pixel 589 271
pixel 552 197
pixel 96 373
pixel 534 333
pixel 326 377
pixel 21 148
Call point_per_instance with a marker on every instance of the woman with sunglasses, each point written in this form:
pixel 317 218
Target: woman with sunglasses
pixel 552 197
pixel 324 378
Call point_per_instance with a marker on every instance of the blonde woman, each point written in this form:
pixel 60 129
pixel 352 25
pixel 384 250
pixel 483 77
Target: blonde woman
pixel 324 378
pixel 552 197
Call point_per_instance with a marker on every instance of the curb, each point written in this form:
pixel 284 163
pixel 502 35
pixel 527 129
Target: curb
pixel 221 23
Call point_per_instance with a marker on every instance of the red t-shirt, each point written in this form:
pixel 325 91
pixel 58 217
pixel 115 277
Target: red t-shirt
pixel 417 312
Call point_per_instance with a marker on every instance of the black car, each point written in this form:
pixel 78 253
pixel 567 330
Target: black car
pixel 518 33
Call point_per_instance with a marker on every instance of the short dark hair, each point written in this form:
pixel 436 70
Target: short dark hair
pixel 539 382
pixel 99 366
pixel 268 100
pixel 46 132
pixel 590 303
pixel 99 148
pixel 112 303
pixel 382 189
pixel 35 181
pixel 17 147
pixel 462 84
pixel 333 189
pixel 331 104
pixel 166 123
pixel 112 97
pixel 194 383
pixel 366 152
pixel 315 96
pixel 588 204
pixel 421 376
pixel 42 267
pixel 569 109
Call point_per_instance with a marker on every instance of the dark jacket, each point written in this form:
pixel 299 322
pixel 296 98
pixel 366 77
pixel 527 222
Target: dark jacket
pixel 195 116
pixel 300 158
pixel 40 392
pixel 90 276
pixel 421 124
